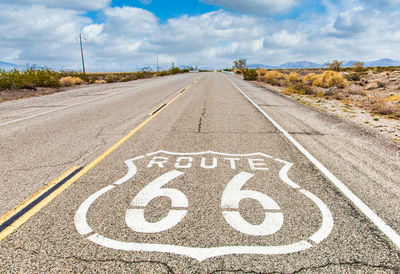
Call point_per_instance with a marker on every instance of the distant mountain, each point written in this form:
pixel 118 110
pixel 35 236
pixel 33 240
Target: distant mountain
pixel 9 66
pixel 289 65
pixel 259 66
pixel 349 63
pixel 301 64
pixel 305 64
pixel 382 63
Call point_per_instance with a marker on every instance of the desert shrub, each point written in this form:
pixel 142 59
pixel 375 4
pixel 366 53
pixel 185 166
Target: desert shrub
pixel 393 98
pixel 310 78
pixel 44 77
pixel 330 79
pixel 301 88
pixel 262 72
pixel 69 81
pixel 238 71
pixel 380 106
pixel 78 81
pixel 125 79
pixel 355 90
pixel 100 82
pixel 6 83
pixel 335 65
pixel 292 78
pixel 32 78
pixel 353 77
pixel 163 73
pixel 250 74
pixel 111 78
pixel 273 77
pixel 175 70
pixel 359 67
pixel 289 90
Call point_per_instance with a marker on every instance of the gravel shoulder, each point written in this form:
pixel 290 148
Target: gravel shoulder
pixel 379 124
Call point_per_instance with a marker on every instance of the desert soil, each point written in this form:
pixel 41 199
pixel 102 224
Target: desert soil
pixel 353 108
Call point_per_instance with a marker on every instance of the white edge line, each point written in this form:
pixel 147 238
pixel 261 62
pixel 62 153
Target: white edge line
pixel 386 229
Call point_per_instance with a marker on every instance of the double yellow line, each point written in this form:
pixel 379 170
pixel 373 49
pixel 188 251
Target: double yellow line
pixel 16 217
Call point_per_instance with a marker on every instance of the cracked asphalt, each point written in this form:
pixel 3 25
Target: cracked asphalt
pixel 207 186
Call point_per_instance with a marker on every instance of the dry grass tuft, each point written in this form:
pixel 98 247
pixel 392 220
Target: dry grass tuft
pixel 69 81
pixel 273 77
pixel 310 78
pixel 293 78
pixel 262 72
pixel 289 91
pixel 330 79
pixel 393 98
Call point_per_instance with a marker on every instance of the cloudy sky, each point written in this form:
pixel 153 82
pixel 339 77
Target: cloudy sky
pixel 129 34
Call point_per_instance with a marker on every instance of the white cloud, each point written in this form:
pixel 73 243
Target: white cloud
pixel 67 4
pixel 382 3
pixel 127 21
pixel 39 35
pixel 285 39
pixel 351 22
pixel 267 7
pixel 130 38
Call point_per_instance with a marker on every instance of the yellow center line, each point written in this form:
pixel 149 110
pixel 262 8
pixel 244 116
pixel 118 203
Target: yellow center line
pixel 123 140
pixel 17 223
pixel 152 112
pixel 28 201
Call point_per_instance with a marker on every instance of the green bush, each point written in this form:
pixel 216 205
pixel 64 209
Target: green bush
pixel 250 74
pixel 175 70
pixel 6 83
pixel 32 78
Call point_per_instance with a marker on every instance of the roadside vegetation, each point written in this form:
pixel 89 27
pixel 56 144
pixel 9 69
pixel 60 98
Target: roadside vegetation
pixel 34 82
pixel 375 89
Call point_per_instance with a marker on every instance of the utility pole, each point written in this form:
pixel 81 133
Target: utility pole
pixel 83 60
pixel 157 63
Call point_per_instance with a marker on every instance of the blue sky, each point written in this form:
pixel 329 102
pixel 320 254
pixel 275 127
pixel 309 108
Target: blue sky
pixel 127 35
pixel 169 9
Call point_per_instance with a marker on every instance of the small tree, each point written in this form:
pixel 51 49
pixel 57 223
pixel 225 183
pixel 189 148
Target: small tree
pixel 240 64
pixel 335 65
pixel 358 66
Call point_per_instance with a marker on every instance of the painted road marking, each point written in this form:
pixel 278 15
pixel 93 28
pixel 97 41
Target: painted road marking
pixel 229 208
pixel 20 214
pixel 157 109
pixel 67 180
pixel 386 229
pixel 123 140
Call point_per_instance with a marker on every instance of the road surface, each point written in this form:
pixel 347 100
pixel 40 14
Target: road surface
pixel 194 173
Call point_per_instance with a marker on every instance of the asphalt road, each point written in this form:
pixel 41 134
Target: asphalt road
pixel 206 184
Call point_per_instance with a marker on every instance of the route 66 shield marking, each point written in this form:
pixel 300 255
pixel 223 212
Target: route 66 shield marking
pixel 247 179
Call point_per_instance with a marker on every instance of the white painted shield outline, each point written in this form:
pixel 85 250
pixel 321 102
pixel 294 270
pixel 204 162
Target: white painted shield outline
pixel 199 253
